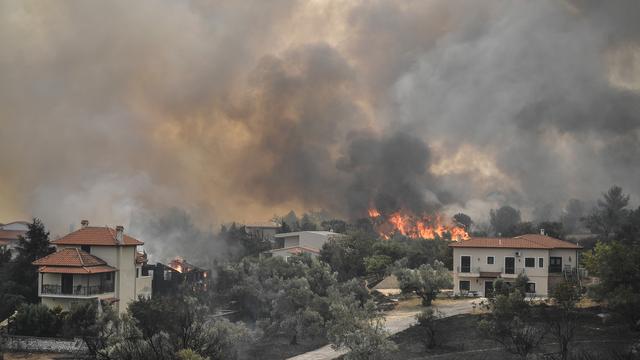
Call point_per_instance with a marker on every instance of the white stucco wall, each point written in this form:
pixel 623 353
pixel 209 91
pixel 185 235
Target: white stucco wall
pixel 123 259
pixel 536 274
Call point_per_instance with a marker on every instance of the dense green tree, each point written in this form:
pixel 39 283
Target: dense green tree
pixel 346 255
pixel 504 219
pixel 296 311
pixel 37 320
pixel 609 215
pixel 425 281
pixel 358 328
pixel 307 224
pixel 33 245
pixel 377 265
pixel 629 233
pixel 183 324
pixel 618 267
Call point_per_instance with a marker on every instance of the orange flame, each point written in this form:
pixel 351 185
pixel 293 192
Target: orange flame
pixel 374 213
pixel 410 225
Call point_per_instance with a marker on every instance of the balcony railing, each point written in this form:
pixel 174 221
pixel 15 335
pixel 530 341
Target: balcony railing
pixel 468 270
pixel 474 271
pixel 79 290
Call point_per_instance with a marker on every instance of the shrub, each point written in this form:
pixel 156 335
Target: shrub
pixel 37 320
pixel 427 325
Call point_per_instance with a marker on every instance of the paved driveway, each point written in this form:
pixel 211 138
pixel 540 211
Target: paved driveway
pixel 397 320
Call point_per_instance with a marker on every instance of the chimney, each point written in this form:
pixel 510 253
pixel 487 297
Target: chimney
pixel 120 234
pixel 84 223
pixel 542 232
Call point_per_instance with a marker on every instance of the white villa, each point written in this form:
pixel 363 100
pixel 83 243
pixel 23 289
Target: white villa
pixel 302 242
pixel 477 262
pixel 93 263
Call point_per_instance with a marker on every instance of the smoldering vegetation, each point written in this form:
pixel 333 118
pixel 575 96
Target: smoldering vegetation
pixel 237 111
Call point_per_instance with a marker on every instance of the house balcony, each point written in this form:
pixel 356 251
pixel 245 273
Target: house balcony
pixel 465 271
pixel 76 291
pixel 479 272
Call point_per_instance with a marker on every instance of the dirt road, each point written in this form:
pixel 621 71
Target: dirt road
pixel 397 320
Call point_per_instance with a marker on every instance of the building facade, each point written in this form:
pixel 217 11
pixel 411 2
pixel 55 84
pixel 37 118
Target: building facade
pixel 478 262
pixel 302 242
pixel 94 263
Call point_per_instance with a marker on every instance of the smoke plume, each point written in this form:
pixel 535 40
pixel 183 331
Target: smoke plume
pixel 241 110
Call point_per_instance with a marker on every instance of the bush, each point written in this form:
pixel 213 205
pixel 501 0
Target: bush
pixel 427 325
pixel 80 320
pixel 37 320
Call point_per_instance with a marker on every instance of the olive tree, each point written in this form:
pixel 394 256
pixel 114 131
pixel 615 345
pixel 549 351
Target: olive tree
pixel 425 281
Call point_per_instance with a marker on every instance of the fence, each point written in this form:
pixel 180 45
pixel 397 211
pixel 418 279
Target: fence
pixel 42 344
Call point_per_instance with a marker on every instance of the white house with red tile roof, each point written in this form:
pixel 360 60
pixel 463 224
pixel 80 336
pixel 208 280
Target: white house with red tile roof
pixel 93 263
pixel 477 262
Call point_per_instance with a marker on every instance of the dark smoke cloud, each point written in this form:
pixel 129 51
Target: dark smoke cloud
pixel 241 110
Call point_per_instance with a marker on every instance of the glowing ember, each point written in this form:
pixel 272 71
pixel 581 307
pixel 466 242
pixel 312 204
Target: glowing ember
pixel 176 264
pixel 413 226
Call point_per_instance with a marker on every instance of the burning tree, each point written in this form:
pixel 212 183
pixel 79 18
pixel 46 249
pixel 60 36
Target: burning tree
pixel 407 223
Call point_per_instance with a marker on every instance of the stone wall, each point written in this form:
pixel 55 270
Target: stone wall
pixel 41 344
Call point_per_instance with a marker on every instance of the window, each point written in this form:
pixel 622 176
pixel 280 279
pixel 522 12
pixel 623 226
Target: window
pixel 86 248
pixel 137 272
pixel 491 260
pixel 509 265
pixel 529 262
pixel 465 285
pixel 555 264
pixel 107 276
pixel 531 288
pixel 540 262
pixel 465 264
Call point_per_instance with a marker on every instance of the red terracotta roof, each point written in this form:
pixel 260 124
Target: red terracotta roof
pixel 97 236
pixel 76 270
pixel 70 257
pixel 529 241
pixel 4 242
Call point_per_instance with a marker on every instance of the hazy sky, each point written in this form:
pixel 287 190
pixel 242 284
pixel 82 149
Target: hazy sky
pixel 238 110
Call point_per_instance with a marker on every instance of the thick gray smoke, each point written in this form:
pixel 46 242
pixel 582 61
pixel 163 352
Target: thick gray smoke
pixel 241 110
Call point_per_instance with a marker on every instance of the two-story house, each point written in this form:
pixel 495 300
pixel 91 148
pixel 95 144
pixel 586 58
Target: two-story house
pixel 477 262
pixel 302 242
pixel 93 263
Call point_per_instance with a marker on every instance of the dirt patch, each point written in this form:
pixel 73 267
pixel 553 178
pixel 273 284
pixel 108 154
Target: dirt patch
pixel 36 356
pixel 459 339
pixel 281 349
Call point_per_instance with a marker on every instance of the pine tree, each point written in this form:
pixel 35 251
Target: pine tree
pixel 33 245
